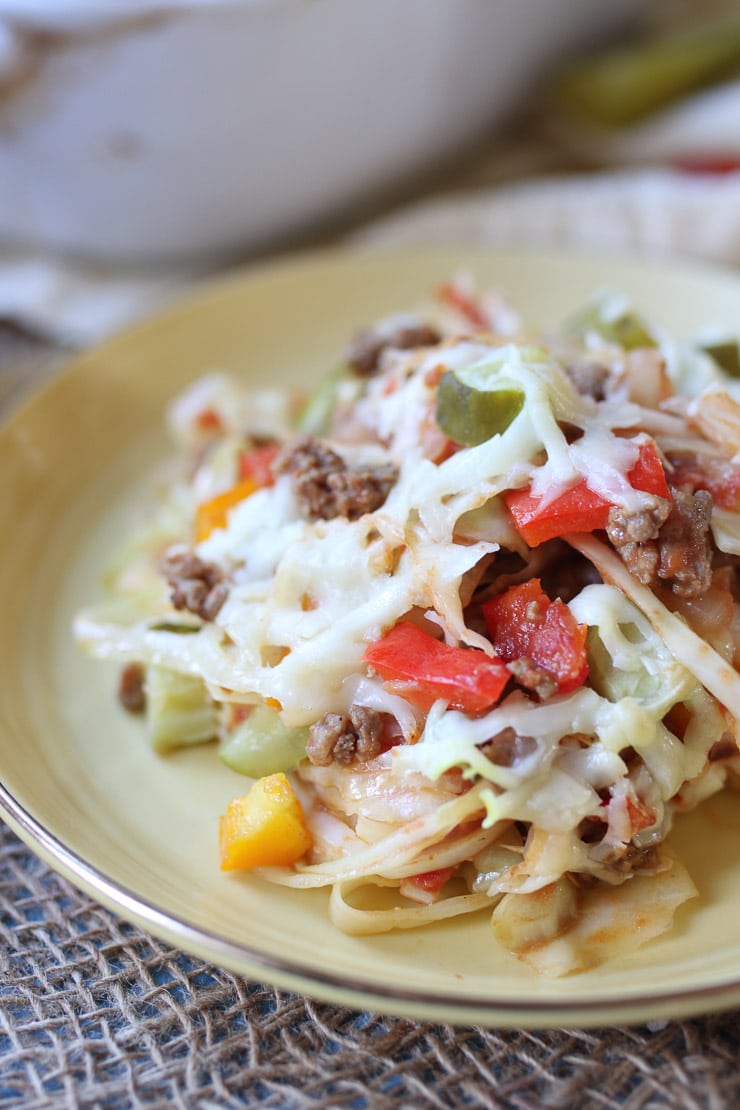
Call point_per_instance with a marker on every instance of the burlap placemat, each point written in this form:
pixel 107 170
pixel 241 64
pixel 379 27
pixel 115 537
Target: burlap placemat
pixel 95 1013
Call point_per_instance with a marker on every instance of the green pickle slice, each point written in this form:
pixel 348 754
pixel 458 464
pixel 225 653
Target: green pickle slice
pixel 726 354
pixel 263 745
pixel 470 415
pixel 315 418
pixel 179 710
pixel 625 330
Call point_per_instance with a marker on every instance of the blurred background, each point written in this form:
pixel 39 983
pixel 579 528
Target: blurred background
pixel 145 145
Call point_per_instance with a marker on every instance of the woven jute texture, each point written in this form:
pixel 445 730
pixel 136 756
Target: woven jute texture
pixel 97 1014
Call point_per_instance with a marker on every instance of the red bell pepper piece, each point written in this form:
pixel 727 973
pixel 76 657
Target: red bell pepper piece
pixel 641 816
pixel 580 509
pixel 523 621
pixel 422 669
pixel 456 297
pixel 257 464
pixel 433 881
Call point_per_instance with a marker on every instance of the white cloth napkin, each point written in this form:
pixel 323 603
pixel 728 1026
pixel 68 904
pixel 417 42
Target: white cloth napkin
pixel 76 304
pixel 650 211
pixel 656 212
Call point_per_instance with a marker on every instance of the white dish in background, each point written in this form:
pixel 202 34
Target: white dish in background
pixel 166 129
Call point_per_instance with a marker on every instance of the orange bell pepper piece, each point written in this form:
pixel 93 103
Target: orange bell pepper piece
pixel 212 514
pixel 265 828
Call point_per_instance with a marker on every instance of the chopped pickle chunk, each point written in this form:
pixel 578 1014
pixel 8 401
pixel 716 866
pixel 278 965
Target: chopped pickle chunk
pixel 316 416
pixel 179 709
pixel 263 745
pixel 726 353
pixel 625 329
pixel 470 415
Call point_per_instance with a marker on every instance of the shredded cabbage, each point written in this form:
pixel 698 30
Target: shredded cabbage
pixel 529 762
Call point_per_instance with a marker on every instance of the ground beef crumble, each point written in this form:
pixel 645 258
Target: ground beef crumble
pixel 589 378
pixel 724 748
pixel 326 487
pixel 676 549
pixel 637 527
pixel 346 738
pixel 196 585
pixel 533 677
pixel 685 546
pixel 626 858
pixel 131 693
pixel 507 747
pixel 367 347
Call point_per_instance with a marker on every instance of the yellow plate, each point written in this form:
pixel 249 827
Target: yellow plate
pixel 139 832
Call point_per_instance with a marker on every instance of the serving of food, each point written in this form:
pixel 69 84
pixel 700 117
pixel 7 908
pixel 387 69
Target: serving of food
pixel 467 617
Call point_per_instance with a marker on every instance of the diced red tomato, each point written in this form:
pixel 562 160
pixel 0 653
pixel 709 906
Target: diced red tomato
pixel 641 817
pixel 257 464
pixel 238 714
pixel 209 421
pixel 717 475
pixel 449 449
pixel 523 621
pixel 720 164
pixel 456 297
pixel 422 669
pixel 433 881
pixel 580 509
pixel 648 474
